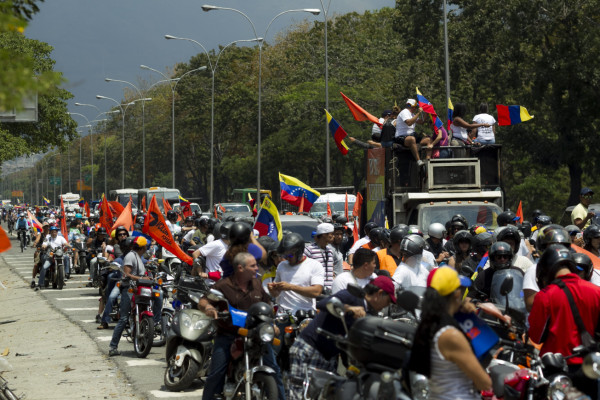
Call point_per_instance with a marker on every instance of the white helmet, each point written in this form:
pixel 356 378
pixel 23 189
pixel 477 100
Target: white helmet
pixel 436 230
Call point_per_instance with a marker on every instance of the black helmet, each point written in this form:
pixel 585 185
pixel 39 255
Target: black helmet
pixel 400 226
pixel 506 218
pixel 552 234
pixel 510 232
pixel 341 220
pixel 120 228
pixel 224 229
pixel 526 229
pixel 535 214
pixel 592 231
pixel 268 243
pixel 327 220
pixel 458 222
pixel 212 221
pixel 462 236
pixel 572 229
pixel 171 214
pixel 189 219
pixel 369 226
pixel 338 227
pixel 412 245
pixel 140 220
pixel 259 312
pixel 101 231
pixel 239 233
pixel 415 230
pixel 397 234
pixel 137 227
pixel 554 258
pixel 202 222
pixel 126 244
pixel 216 230
pixel 497 250
pixel 584 265
pixel 482 242
pixel 376 234
pixel 543 220
pixel 292 243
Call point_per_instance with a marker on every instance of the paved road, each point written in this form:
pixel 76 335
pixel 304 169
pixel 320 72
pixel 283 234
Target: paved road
pixel 79 305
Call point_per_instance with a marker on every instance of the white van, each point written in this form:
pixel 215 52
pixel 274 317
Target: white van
pixel 336 203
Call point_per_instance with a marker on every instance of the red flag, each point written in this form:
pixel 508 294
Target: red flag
pixel 355 232
pixel 186 208
pixel 106 216
pixel 124 219
pixel 595 259
pixel 328 209
pixel 166 206
pixel 346 207
pixel 144 204
pixel 520 212
pixel 116 207
pixel 63 220
pixel 4 241
pixel 359 113
pixel 357 205
pixel 155 226
pixel 86 207
pixel 216 216
pixel 301 209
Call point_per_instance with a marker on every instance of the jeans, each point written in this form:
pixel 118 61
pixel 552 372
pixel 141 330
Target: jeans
pixel 112 293
pixel 124 311
pixel 47 264
pixel 93 263
pixel 483 141
pixel 157 305
pixel 218 367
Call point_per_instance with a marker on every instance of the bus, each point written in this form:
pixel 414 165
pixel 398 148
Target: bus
pixel 171 195
pixel 123 195
pixel 241 195
pixel 70 200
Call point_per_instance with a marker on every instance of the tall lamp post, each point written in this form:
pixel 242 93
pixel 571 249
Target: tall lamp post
pixel 143 100
pixel 313 11
pixel 173 87
pixel 446 56
pixel 213 69
pixel 327 161
pixel 80 140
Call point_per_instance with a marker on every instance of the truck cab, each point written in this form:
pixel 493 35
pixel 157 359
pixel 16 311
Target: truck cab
pixel 404 193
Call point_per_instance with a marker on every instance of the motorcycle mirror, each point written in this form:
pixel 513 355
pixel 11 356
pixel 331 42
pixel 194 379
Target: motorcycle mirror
pixel 215 295
pixel 194 297
pixel 467 271
pixel 101 259
pixel 356 290
pixel 591 365
pixel 408 301
pixel 507 285
pixel 335 307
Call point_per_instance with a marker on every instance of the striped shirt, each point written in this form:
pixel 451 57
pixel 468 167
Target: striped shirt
pixel 325 257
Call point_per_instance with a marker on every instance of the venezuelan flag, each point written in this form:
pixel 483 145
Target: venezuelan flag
pixel 267 222
pixel 81 203
pixel 46 201
pixel 450 113
pixel 511 115
pixel 292 191
pixel 428 108
pixel 337 132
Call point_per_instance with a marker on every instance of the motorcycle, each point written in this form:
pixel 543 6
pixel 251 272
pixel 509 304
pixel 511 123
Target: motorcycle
pixel 56 272
pixel 78 244
pixel 23 239
pixel 141 318
pixel 96 255
pixel 247 377
pixel 189 342
pixel 294 324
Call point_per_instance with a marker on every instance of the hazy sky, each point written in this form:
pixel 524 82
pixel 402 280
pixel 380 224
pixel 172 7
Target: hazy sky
pixel 95 39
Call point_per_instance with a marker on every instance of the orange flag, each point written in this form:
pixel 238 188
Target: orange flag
pixel 166 206
pixel 595 259
pixel 328 209
pixel 4 241
pixel 144 204
pixel 63 220
pixel 301 209
pixel 106 216
pixel 520 212
pixel 355 232
pixel 86 207
pixel 116 207
pixel 124 219
pixel 346 207
pixel 359 113
pixel 357 205
pixel 155 226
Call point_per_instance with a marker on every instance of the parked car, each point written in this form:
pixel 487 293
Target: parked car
pixel 301 224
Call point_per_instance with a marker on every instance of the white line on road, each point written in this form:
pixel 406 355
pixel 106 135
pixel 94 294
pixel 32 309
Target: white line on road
pixel 104 338
pixel 76 298
pixel 81 309
pixel 88 321
pixel 145 363
pixel 80 288
pixel 164 395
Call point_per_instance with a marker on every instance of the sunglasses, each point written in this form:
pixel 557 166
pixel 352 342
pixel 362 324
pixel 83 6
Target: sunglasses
pixel 502 257
pixel 288 256
pixel 122 234
pixel 588 196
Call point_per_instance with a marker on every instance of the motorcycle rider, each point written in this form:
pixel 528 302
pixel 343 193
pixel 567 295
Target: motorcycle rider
pixel 456 223
pixel 242 289
pixel 241 239
pixel 510 234
pixel 54 241
pixel 436 242
pixel 552 319
pixel 481 244
pixel 322 253
pixel 37 256
pixel 21 226
pixel 133 269
pixel 316 351
pixel 269 265
pixel 411 271
pixel 362 273
pixel 389 259
pixel 500 257
pixel 210 255
pixel 462 243
pixel 98 242
pixel 591 238
pixel 360 242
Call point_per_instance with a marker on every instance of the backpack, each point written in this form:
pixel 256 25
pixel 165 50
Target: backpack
pixel 388 131
pixel 22 224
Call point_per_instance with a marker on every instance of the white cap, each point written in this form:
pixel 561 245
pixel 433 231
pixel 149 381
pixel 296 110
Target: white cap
pixel 256 233
pixel 412 102
pixel 324 228
pixel 110 249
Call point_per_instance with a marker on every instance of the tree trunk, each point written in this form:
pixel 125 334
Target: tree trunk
pixel 575 172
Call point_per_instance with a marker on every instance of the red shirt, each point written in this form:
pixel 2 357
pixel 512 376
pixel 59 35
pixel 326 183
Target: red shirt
pixel 551 312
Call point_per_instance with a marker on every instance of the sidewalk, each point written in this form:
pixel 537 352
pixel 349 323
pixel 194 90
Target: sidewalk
pixel 51 357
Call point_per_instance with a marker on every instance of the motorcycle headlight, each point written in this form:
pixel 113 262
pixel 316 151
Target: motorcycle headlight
pixel 266 332
pixel 419 386
pixel 186 321
pixel 201 324
pixel 558 387
pixel 146 292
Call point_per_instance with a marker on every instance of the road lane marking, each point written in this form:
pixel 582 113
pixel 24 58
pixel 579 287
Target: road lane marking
pixel 145 363
pixel 81 309
pixel 164 395
pixel 76 298
pixel 104 338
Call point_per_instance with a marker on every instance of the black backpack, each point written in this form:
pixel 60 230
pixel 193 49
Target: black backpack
pixel 388 131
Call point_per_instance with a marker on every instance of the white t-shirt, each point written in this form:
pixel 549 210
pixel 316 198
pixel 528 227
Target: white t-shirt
pixel 459 132
pixel 214 252
pixel 429 260
pixel 56 242
pixel 402 128
pixel 484 133
pixel 529 281
pixel 523 263
pixel 174 228
pixel 406 276
pixel 309 272
pixel 342 280
pixel 376 130
pixel 357 244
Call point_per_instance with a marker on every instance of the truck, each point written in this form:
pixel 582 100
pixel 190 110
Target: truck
pixel 171 195
pixel 71 201
pixel 123 196
pixel 401 192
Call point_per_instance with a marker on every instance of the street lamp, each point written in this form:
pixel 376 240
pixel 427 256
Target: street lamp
pixel 173 86
pixel 80 140
pixel 122 134
pixel 313 11
pixel 212 101
pixel 143 126
pixel 327 165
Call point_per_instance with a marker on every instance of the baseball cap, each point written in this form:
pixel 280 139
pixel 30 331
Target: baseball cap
pixel 110 249
pixel 446 280
pixel 387 285
pixel 324 228
pixel 412 102
pixel 385 113
pixel 585 191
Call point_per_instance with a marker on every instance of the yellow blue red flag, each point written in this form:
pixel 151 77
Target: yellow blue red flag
pixel 510 115
pixel 292 191
pixel 268 222
pixel 337 132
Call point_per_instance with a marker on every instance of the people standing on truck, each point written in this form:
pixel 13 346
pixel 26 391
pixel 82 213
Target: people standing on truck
pixel 376 129
pixel 405 129
pixel 461 128
pixel 485 135
pixel 580 215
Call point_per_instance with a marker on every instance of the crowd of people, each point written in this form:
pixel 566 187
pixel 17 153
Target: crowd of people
pixel 454 260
